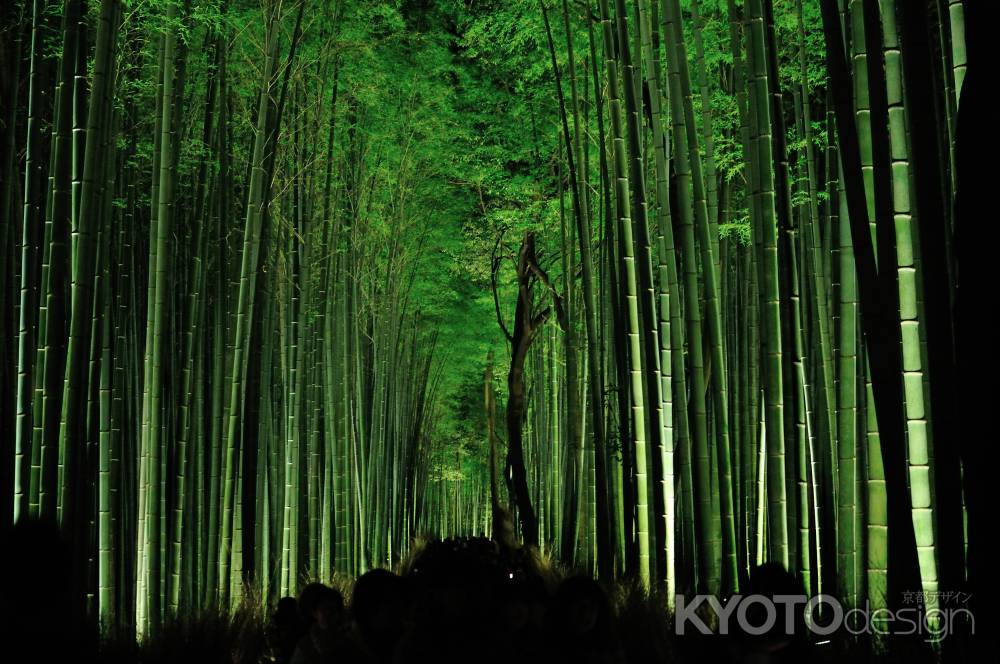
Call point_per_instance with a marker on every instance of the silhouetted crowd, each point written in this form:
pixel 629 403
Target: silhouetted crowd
pixel 460 600
pixel 473 600
pixel 457 600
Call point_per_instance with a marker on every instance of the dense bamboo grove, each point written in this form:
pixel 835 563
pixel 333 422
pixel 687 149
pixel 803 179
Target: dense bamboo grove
pixel 288 284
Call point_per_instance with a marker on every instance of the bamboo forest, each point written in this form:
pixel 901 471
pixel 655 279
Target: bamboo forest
pixel 656 293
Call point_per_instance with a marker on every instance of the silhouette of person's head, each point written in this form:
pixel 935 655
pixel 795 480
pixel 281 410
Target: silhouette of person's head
pixel 287 611
pixel 378 604
pixel 329 611
pixel 321 605
pixel 287 626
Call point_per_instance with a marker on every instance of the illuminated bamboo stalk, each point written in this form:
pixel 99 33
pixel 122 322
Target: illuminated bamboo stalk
pixel 244 311
pixel 761 113
pixel 707 130
pixel 27 333
pixel 51 360
pixel 630 290
pixel 707 538
pixel 671 333
pixel 707 246
pixel 893 186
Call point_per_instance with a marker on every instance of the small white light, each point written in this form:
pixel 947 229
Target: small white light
pixel 511 575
